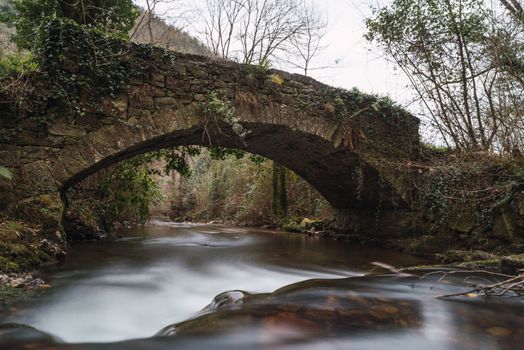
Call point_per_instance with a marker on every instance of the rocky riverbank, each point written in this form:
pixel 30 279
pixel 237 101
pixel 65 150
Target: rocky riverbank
pixel 21 280
pixel 26 247
pixel 19 287
pixel 484 254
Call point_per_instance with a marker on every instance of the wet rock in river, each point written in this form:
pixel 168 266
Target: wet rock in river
pixel 306 309
pixel 13 335
pixel 17 283
pixel 227 298
pixel 4 279
pixel 233 297
pixel 19 280
pixel 37 282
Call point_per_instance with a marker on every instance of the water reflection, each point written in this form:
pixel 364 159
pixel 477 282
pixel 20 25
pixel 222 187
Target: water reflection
pixel 163 274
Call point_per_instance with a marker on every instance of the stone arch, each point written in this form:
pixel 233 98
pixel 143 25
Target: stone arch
pixel 340 175
pixel 329 136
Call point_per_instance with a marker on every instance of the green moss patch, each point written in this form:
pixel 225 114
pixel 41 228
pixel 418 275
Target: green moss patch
pixel 23 247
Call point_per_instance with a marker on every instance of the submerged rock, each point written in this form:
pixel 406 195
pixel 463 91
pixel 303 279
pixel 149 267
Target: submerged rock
pixel 13 335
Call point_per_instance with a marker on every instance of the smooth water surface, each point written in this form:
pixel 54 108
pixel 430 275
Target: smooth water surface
pixel 165 273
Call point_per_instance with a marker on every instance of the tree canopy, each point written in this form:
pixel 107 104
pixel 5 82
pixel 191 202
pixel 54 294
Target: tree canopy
pixel 462 59
pixel 111 16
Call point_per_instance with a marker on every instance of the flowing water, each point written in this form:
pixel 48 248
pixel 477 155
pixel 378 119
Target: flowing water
pixel 162 287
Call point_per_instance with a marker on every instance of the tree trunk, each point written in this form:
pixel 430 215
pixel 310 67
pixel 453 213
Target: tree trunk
pixel 279 198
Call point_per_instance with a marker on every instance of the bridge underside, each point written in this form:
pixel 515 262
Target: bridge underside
pixel 364 202
pixel 344 179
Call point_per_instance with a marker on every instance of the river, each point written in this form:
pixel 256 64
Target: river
pixel 155 288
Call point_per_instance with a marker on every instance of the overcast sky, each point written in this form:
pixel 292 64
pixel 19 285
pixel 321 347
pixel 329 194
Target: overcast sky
pixel 361 64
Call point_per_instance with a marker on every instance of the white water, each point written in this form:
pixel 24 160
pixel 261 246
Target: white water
pixel 153 282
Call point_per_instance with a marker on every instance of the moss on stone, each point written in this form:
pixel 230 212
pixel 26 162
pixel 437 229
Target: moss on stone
pixel 44 211
pixel 489 264
pixel 21 248
pixel 451 256
pixel 512 264
pixel 10 296
pixel 309 223
pixel 293 228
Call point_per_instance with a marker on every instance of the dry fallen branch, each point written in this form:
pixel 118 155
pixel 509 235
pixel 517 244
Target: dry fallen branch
pixel 445 274
pixel 514 284
pixel 508 283
pixel 392 269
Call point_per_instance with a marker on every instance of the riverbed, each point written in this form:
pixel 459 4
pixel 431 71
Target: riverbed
pixel 149 289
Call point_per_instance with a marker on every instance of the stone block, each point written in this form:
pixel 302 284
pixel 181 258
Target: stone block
pixel 114 106
pixel 135 112
pixel 199 97
pixel 141 102
pixel 179 85
pixel 158 80
pixel 196 87
pixel 157 92
pixel 65 128
pixel 220 84
pixel 226 78
pixel 162 102
pixel 200 74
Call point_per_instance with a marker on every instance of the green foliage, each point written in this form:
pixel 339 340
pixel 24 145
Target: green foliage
pixel 74 61
pixel 469 192
pixel 109 16
pixel 340 107
pixel 128 192
pixel 77 61
pixel 176 159
pixel 18 63
pixel 223 111
pixel 276 79
pixel 5 174
pixel 430 151
pixel 7 11
pixel 356 100
pixel 130 189
pixel 258 71
pixel 463 62
pixel 221 153
pixel 239 190
pixel 410 23
pixel 76 48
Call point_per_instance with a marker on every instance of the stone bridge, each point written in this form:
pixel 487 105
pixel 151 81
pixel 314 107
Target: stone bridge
pixel 331 137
